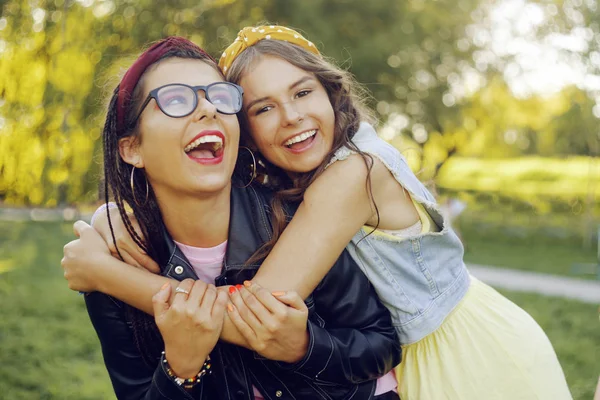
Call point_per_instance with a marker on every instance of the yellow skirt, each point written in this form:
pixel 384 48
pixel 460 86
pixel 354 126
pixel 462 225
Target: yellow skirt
pixel 486 349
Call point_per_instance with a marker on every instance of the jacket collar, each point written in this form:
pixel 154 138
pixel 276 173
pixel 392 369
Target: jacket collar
pixel 249 228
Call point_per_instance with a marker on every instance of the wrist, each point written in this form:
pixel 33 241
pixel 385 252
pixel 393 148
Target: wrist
pixel 103 268
pixel 301 350
pixel 183 366
pixel 190 382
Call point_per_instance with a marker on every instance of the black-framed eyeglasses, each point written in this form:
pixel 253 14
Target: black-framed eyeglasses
pixel 178 100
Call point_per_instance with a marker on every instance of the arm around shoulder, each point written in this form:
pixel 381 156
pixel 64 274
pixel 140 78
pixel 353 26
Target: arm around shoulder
pixel 335 207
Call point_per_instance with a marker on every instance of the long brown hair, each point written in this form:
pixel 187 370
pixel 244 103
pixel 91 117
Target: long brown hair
pixel 348 100
pixel 147 212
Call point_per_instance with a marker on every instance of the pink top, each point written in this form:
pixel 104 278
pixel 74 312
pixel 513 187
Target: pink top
pixel 208 262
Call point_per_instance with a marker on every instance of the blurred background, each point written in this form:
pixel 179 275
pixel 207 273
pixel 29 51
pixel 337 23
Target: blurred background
pixel 496 105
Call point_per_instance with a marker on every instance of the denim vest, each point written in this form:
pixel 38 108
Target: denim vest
pixel 421 278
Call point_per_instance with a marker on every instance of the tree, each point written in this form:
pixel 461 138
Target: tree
pixel 60 59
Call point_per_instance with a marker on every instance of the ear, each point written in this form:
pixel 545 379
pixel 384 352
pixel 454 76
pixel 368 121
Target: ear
pixel 129 150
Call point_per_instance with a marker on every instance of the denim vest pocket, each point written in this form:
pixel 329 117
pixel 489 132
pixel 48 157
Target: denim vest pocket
pixel 385 278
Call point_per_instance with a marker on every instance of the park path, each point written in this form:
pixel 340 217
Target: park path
pixel 587 291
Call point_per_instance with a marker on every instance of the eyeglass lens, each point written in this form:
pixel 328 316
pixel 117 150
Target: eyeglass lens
pixel 180 100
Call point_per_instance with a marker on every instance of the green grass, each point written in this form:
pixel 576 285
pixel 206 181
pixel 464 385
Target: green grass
pixel 537 181
pixel 48 348
pixel 528 245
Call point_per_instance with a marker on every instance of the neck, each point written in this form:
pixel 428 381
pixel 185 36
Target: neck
pixel 197 220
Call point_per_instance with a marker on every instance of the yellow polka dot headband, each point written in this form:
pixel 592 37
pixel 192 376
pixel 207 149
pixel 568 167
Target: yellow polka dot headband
pixel 249 36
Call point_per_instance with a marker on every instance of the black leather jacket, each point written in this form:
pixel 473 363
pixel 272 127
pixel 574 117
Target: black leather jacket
pixel 352 341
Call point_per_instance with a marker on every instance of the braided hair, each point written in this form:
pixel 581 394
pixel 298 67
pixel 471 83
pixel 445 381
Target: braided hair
pixel 117 175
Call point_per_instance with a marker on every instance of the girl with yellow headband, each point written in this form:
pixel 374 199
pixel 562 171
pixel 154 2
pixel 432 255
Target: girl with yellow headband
pixel 309 131
pixel 461 339
pixel 170 148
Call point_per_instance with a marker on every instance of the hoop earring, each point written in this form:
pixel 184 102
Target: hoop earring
pixel 253 175
pixel 133 188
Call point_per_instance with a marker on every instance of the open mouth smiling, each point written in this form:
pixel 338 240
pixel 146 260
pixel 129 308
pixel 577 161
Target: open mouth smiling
pixel 301 141
pixel 206 148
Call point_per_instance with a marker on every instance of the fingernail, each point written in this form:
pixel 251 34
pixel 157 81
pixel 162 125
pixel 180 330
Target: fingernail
pixel 277 294
pixel 232 289
pixel 238 287
pixel 247 283
pixel 163 287
pixel 229 308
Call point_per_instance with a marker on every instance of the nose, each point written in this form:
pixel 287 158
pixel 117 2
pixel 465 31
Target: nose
pixel 289 114
pixel 204 108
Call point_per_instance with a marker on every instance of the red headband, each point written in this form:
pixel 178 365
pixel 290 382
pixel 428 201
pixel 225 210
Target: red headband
pixel 149 57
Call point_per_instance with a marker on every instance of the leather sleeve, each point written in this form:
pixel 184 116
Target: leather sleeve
pixel 131 377
pixel 352 339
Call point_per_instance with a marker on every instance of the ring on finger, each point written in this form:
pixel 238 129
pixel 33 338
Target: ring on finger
pixel 181 290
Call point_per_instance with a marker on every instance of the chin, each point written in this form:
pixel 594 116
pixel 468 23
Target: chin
pixel 308 165
pixel 306 170
pixel 212 184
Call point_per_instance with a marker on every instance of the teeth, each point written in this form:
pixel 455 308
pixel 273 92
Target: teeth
pixel 301 137
pixel 218 143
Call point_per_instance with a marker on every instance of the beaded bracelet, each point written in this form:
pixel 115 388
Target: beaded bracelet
pixel 187 383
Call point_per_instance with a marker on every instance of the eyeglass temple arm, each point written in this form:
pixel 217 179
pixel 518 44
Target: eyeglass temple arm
pixel 150 97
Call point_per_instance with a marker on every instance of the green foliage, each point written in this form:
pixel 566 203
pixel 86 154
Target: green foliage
pixel 494 124
pixel 60 58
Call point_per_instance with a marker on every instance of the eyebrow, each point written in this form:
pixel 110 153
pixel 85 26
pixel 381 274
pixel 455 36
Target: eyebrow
pixel 292 86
